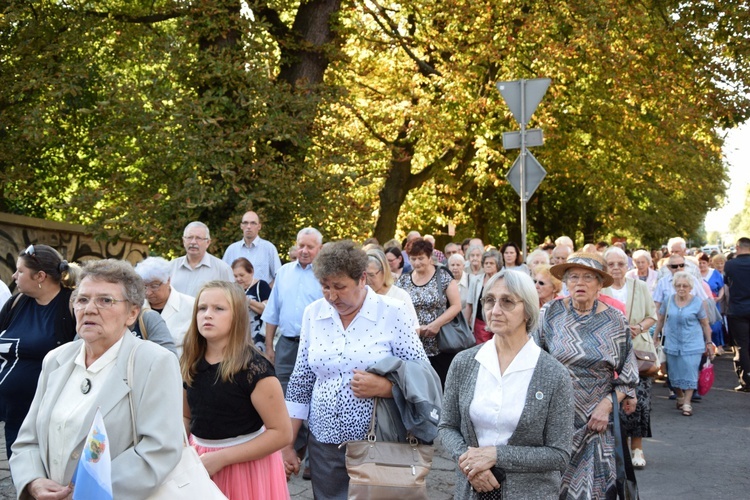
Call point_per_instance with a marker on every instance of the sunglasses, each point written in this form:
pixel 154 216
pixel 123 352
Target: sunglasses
pixel 676 266
pixel 31 252
pixel 540 282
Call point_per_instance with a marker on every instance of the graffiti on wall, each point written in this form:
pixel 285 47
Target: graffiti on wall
pixel 17 233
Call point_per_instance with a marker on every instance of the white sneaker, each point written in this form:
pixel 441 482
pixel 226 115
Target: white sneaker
pixel 638 461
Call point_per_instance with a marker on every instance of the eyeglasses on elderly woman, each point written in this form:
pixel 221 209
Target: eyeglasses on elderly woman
pixel 505 303
pixel 586 278
pixel 102 302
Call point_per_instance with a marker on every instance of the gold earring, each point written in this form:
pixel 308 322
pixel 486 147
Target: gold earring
pixel 40 284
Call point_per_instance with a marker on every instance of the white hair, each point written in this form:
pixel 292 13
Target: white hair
pixel 566 241
pixel 617 252
pixel 312 231
pixel 683 276
pixel 642 253
pixel 154 268
pixel 674 241
pixel 538 253
pixel 456 257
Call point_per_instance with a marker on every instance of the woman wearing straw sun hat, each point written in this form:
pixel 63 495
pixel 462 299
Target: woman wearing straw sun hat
pixel 592 340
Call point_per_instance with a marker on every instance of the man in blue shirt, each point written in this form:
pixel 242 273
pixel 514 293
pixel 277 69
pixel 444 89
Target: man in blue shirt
pixel 737 276
pixel 262 254
pixel 296 287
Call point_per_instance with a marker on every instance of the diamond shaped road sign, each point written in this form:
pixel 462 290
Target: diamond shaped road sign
pixel 533 173
pixel 533 93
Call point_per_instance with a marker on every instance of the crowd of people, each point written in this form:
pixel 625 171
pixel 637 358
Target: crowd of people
pixel 280 365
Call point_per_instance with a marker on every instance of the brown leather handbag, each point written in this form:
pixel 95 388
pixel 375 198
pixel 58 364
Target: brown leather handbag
pixel 387 470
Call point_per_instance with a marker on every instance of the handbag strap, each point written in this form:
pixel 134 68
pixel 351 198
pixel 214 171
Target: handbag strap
pixel 371 431
pixel 632 299
pixel 129 377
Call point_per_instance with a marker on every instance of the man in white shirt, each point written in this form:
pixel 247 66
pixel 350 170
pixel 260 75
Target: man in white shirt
pixel 197 266
pixel 664 288
pixel 677 246
pixel 262 254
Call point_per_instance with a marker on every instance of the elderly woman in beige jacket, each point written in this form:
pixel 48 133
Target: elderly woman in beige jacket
pixel 641 314
pixel 89 374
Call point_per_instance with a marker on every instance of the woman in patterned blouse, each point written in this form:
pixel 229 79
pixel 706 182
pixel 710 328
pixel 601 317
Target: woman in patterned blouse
pixel 436 298
pixel 350 329
pixel 592 340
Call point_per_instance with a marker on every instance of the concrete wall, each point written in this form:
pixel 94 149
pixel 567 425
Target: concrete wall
pixel 73 241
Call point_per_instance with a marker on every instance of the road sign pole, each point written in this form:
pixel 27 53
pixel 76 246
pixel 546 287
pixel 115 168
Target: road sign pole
pixel 522 97
pixel 523 170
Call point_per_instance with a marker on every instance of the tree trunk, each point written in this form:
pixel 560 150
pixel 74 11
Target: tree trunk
pixel 394 191
pixel 304 61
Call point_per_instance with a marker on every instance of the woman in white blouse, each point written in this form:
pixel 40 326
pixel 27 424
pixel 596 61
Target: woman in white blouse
pixel 344 333
pixel 508 406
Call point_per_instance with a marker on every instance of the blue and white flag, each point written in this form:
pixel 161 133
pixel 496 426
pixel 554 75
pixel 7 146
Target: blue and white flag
pixel 93 476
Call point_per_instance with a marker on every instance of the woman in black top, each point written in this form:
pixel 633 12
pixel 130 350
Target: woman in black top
pixel 32 323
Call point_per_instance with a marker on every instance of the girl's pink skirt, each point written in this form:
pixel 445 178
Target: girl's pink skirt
pixel 262 479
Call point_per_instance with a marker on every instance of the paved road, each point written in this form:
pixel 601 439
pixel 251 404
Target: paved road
pixel 699 457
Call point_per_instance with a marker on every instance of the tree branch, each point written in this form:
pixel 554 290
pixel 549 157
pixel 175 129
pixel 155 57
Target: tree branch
pixel 278 29
pixel 392 29
pixel 368 126
pixel 151 18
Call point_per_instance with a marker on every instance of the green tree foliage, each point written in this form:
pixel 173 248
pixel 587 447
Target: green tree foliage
pixel 366 117
pixel 739 224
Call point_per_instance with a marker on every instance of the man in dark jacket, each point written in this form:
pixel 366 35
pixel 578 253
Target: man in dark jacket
pixel 737 272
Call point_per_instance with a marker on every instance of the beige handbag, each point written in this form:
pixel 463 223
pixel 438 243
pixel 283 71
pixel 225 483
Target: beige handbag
pixel 385 470
pixel 644 350
pixel 189 480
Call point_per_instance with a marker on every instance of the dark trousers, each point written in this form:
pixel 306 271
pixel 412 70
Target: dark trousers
pixel 440 363
pixel 739 329
pixel 330 481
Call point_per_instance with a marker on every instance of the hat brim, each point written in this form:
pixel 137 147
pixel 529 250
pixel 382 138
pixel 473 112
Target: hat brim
pixel 558 271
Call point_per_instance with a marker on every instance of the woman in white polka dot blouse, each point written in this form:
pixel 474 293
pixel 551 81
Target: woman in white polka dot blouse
pixel 342 335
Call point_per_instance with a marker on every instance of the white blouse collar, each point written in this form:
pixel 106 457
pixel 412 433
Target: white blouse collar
pixel 526 358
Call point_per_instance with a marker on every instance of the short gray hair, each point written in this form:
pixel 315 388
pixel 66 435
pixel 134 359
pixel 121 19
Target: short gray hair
pixel 120 272
pixel 616 251
pixel 674 241
pixel 492 254
pixel 310 230
pixel 199 224
pixel 520 285
pixel 154 268
pixel 472 248
pixel 456 256
pixel 537 253
pixel 340 257
pixel 683 276
pixel 565 241
pixel 642 253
